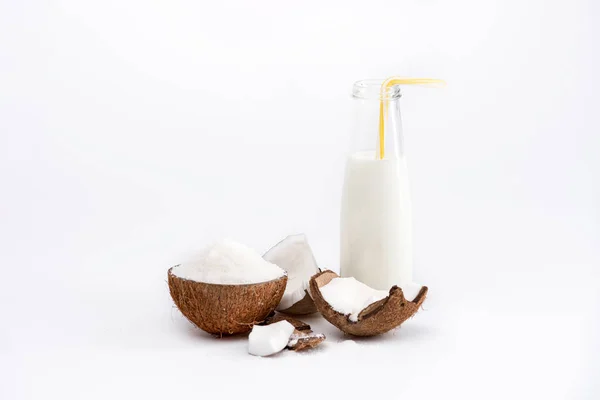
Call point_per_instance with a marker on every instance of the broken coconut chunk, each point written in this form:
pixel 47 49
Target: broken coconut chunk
pixel 294 255
pixel 302 337
pixel 359 310
pixel 301 340
pixel 265 340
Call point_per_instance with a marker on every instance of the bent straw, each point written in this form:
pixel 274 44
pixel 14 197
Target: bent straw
pixel 383 104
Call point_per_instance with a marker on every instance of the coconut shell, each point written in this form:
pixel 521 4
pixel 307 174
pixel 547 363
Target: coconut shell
pixel 379 317
pixel 225 309
pixel 303 307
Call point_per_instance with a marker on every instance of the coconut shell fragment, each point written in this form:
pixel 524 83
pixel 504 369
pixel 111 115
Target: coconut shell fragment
pixel 303 337
pixel 379 317
pixel 301 340
pixel 225 309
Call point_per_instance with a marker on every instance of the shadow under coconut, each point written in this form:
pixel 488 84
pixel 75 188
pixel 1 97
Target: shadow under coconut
pixel 409 331
pixel 405 333
pixel 412 332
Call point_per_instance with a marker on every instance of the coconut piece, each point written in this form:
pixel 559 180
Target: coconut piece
pixel 265 340
pixel 294 255
pixel 225 309
pixel 303 337
pixel 378 317
pixel 301 340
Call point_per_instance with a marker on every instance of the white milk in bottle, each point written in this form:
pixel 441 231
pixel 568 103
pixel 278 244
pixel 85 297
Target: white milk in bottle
pixel 376 240
pixel 375 220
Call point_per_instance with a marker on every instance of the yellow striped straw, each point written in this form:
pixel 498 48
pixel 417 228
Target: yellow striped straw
pixel 383 103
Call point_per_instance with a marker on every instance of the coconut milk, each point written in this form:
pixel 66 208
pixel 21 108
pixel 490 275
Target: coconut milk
pixel 376 237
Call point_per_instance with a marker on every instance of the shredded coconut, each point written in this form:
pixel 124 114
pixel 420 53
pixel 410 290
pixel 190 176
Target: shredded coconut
pixel 228 263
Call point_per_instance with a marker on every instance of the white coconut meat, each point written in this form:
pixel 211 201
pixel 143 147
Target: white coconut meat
pixel 295 256
pixel 349 296
pixel 269 339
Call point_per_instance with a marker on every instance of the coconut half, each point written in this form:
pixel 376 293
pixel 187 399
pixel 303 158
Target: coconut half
pixel 225 309
pixel 375 318
pixel 294 255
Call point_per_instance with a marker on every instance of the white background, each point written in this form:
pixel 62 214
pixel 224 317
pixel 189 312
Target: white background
pixel 133 133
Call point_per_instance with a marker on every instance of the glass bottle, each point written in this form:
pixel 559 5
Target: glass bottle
pixel 376 222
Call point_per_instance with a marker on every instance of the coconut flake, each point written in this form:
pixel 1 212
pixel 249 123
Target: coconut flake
pixel 295 256
pixel 229 263
pixel 349 296
pixel 269 339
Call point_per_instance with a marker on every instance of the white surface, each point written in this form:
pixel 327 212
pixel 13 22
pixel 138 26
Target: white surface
pixel 230 263
pixel 270 339
pixel 349 296
pixel 295 256
pixel 376 245
pixel 133 133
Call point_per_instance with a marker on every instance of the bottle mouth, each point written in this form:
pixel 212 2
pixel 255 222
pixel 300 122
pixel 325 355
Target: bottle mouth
pixel 370 89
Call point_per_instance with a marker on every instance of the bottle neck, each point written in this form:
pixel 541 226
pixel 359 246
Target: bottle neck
pixel 371 110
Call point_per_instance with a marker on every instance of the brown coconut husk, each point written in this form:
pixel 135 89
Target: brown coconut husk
pixel 379 317
pixel 225 309
pixel 303 337
pixel 303 307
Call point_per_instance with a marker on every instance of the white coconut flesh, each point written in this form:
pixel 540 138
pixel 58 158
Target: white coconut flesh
pixel 349 296
pixel 269 339
pixel 294 255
